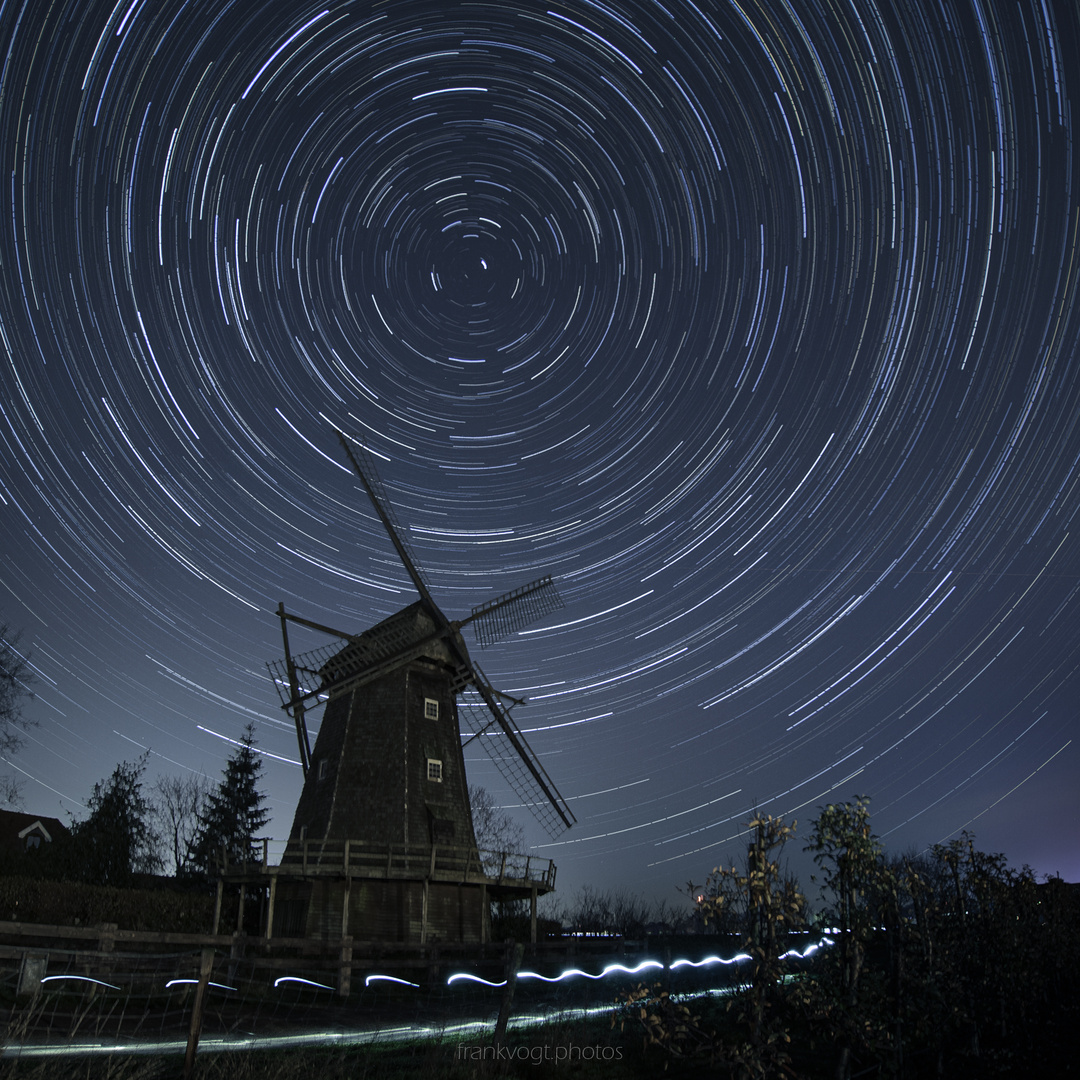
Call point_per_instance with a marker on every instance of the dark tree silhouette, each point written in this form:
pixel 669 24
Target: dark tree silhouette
pixel 118 839
pixel 234 812
pixel 14 692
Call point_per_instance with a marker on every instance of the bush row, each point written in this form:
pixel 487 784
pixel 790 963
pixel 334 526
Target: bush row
pixel 66 903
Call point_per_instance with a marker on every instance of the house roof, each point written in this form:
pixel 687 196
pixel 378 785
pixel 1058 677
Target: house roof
pixel 16 826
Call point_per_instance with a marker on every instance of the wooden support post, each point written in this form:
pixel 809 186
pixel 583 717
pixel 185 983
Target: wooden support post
pixel 532 914
pixel 433 969
pixel 205 966
pixel 217 906
pixel 270 907
pixel 423 913
pixel 240 912
pixel 345 967
pixel 345 907
pixel 485 914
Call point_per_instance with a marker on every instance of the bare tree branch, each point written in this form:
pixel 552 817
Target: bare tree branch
pixel 180 802
pixel 15 681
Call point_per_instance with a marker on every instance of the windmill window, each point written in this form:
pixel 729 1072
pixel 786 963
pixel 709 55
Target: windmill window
pixel 431 709
pixel 434 770
pixel 323 769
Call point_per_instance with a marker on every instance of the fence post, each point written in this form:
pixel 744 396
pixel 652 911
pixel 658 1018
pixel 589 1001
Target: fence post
pixel 345 968
pixel 513 962
pixel 31 972
pixel 106 945
pixel 205 966
pixel 107 937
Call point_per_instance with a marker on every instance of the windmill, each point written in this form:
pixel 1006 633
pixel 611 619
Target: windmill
pixel 385 779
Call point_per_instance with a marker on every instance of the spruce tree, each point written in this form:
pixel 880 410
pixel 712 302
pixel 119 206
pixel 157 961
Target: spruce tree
pixel 234 812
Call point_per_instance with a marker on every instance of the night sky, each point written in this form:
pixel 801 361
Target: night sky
pixel 755 324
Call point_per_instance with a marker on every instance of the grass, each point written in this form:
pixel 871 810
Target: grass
pixel 587 1050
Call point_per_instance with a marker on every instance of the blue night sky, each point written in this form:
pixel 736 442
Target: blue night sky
pixel 756 325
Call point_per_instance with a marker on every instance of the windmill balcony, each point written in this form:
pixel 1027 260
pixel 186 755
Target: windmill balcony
pixel 355 858
pixel 320 876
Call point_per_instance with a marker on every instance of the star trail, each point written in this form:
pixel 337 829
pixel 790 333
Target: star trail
pixel 754 324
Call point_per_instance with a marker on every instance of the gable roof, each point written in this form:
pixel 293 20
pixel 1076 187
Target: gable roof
pixel 16 826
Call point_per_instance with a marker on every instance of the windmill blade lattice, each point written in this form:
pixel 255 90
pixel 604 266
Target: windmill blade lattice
pixel 495 743
pixel 507 614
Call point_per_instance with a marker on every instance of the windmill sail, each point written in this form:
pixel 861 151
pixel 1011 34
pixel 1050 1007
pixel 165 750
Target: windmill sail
pixel 507 614
pixel 519 766
pixel 373 485
pixel 414 633
pixel 524 773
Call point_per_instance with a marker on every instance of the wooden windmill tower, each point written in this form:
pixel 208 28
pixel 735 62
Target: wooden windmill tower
pixel 382 844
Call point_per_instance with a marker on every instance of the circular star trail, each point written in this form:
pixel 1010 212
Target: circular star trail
pixel 755 325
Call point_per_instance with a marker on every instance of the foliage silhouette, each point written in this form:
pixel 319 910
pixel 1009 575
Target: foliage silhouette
pixel 234 812
pixel 118 839
pixel 15 681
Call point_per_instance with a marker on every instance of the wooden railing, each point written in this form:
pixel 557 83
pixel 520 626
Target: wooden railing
pixel 355 858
